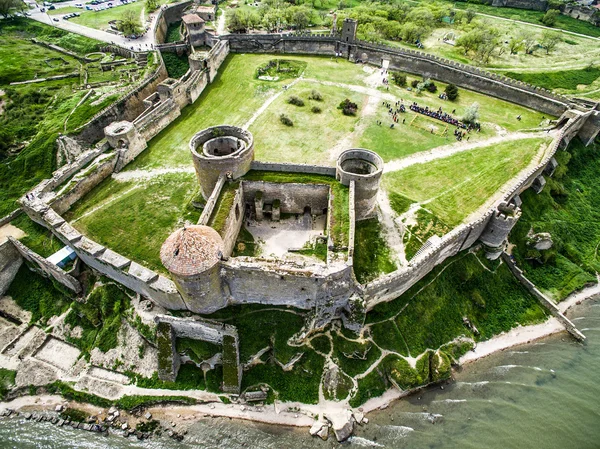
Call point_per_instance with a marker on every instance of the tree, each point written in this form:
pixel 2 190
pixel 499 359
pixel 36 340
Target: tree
pixel 529 42
pixel 152 5
pixel 472 114
pixel 451 92
pixel 549 18
pixel 550 40
pixel 515 44
pixel 469 15
pixel 129 24
pixel 399 79
pixel 412 32
pixel 6 6
pixel 470 41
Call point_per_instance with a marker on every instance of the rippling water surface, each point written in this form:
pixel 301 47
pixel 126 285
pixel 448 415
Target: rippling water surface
pixel 543 395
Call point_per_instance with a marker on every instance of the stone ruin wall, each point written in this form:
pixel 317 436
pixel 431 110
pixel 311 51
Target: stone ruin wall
pixel 535 5
pixel 293 168
pixel 10 262
pixel 234 222
pixel 46 268
pixel 167 16
pixel 294 197
pixel 415 62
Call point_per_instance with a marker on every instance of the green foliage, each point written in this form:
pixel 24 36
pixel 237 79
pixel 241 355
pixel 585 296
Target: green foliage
pixel 427 226
pixel 371 254
pixel 315 95
pixel 176 65
pixel 147 426
pixel 451 92
pixel 7 381
pixel 430 313
pixel 354 357
pixel 348 107
pixel 399 79
pixel 130 24
pixel 197 350
pixel 173 34
pixel 38 238
pixel 100 318
pixel 321 343
pixel 372 385
pixel 567 210
pixel 399 203
pixel 281 69
pixel 562 79
pixel 152 5
pixel 73 414
pixel 316 109
pixel 286 120
pixel 38 295
pixel 245 244
pixel 549 18
pixel 317 249
pixel 296 101
pixel 230 367
pixel 300 384
pixel 219 216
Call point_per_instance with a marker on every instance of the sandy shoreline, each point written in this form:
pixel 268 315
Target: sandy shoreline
pixel 303 415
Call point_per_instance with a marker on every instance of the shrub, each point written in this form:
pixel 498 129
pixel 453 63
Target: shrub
pixel 549 18
pixel 348 108
pixel 286 120
pixel 315 95
pixel 414 83
pixel 451 92
pixel 431 87
pixel 295 101
pixel 472 113
pixel 399 79
pixel 316 109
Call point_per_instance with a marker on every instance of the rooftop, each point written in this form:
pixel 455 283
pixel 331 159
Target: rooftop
pixel 191 250
pixel 192 18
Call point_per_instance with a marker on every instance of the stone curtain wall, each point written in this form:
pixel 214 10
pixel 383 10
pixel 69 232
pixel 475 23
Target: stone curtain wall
pixel 209 207
pixel 127 108
pixel 46 268
pixel 392 285
pixel 536 5
pixel 166 16
pixel 352 222
pixel 10 262
pixel 410 61
pixel 234 222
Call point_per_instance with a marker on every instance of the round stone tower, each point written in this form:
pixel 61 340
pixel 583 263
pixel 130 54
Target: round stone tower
pixel 221 150
pixel 495 234
pixel 124 137
pixel 365 168
pixel 192 255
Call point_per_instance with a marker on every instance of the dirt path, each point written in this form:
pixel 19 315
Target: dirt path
pixel 10 230
pixel 221 24
pixel 458 147
pixel 393 235
pixel 139 175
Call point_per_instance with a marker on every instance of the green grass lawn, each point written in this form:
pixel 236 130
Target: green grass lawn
pixel 99 19
pixel 567 209
pixel 134 218
pixel 454 187
pixel 564 79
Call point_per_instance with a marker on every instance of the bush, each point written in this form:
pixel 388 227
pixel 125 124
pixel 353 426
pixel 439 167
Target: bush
pixel 286 120
pixel 316 109
pixel 452 92
pixel 399 79
pixel 472 114
pixel 431 87
pixel 414 83
pixel 295 101
pixel 549 18
pixel 348 108
pixel 315 95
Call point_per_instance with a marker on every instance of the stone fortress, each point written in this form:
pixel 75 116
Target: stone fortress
pixel 205 275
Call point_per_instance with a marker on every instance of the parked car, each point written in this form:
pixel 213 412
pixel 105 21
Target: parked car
pixel 51 7
pixel 55 19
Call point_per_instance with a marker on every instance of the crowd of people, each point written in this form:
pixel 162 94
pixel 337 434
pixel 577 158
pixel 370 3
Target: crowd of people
pixel 439 115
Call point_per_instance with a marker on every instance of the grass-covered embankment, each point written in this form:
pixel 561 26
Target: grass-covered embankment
pixel 567 209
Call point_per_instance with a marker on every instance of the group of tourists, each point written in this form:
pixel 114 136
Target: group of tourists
pixel 439 115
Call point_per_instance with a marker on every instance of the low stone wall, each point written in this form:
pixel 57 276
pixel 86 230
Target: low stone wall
pixel 209 207
pixel 352 221
pixel 214 332
pixel 10 217
pixel 294 197
pixel 535 5
pixel 10 262
pixel 293 168
pixel 154 120
pixel 234 222
pixel 46 268
pixel 543 299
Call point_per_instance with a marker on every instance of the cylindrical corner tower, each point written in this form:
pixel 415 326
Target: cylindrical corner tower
pixel 365 168
pixel 495 234
pixel 123 135
pixel 221 150
pixel 192 255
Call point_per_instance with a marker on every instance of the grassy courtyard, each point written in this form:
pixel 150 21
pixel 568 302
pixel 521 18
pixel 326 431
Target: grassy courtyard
pixel 454 187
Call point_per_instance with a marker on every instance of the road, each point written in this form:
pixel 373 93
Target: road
pixel 145 42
